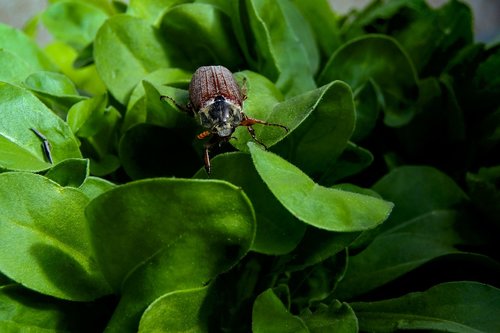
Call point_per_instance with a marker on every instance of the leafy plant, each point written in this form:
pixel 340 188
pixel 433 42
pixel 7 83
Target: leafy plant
pixel 376 212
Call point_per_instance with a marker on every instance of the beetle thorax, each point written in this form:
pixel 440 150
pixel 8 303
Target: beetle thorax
pixel 220 116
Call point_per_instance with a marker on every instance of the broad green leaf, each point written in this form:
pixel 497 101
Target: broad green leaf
pixel 462 307
pixel 95 186
pixel 71 172
pixel 24 310
pixel 126 49
pixel 435 35
pixel 148 151
pixel 381 11
pixel 324 23
pixel 416 190
pixel 286 49
pixel 43 227
pixel 381 59
pixel 178 311
pixel 322 207
pixel 105 5
pixel 177 234
pixel 51 83
pixel 13 69
pixel 278 231
pixel 145 106
pixel 56 90
pixel 20 147
pixel 151 10
pixel 262 98
pixel 86 118
pixel 208 32
pixel 73 22
pixel 97 126
pixel 22 46
pixel 369 103
pixel 321 137
pixel 86 79
pixel 269 315
pixel 399 251
pixel 320 122
pixel 336 317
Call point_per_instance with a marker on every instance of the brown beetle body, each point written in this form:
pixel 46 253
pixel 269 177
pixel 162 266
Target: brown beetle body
pixel 217 101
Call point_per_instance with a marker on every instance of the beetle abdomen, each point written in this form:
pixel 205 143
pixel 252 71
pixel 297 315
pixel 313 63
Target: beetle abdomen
pixel 208 82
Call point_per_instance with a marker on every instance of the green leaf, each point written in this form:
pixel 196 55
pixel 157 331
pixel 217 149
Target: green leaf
pixel 416 190
pixel 209 32
pixel 463 307
pixel 262 98
pixel 71 172
pixel 97 126
pixel 324 23
pixel 369 103
pixel 337 317
pixel 13 69
pixel 23 47
pixel 270 315
pixel 43 227
pixel 86 79
pixel 151 10
pixel 285 46
pixel 278 231
pixel 126 49
pixel 26 311
pixel 179 311
pixel 177 234
pixel 399 251
pixel 95 186
pixel 20 147
pixel 145 106
pixel 392 72
pixel 56 90
pixel 431 37
pixel 320 122
pixel 73 22
pixel 322 207
pixel 86 117
pixel 321 138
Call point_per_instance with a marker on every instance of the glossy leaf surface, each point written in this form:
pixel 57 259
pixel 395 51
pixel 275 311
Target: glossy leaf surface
pixel 200 227
pixel 322 207
pixel 43 227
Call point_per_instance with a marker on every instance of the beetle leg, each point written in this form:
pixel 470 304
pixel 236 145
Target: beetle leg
pixel 188 109
pixel 252 134
pixel 45 145
pixel 203 135
pixel 206 158
pixel 214 140
pixel 247 121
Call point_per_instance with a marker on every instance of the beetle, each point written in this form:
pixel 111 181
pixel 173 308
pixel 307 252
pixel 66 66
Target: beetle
pixel 217 101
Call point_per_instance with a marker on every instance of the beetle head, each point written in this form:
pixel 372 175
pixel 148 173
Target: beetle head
pixel 221 116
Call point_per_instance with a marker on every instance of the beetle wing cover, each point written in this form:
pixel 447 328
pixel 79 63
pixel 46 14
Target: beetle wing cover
pixel 209 82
